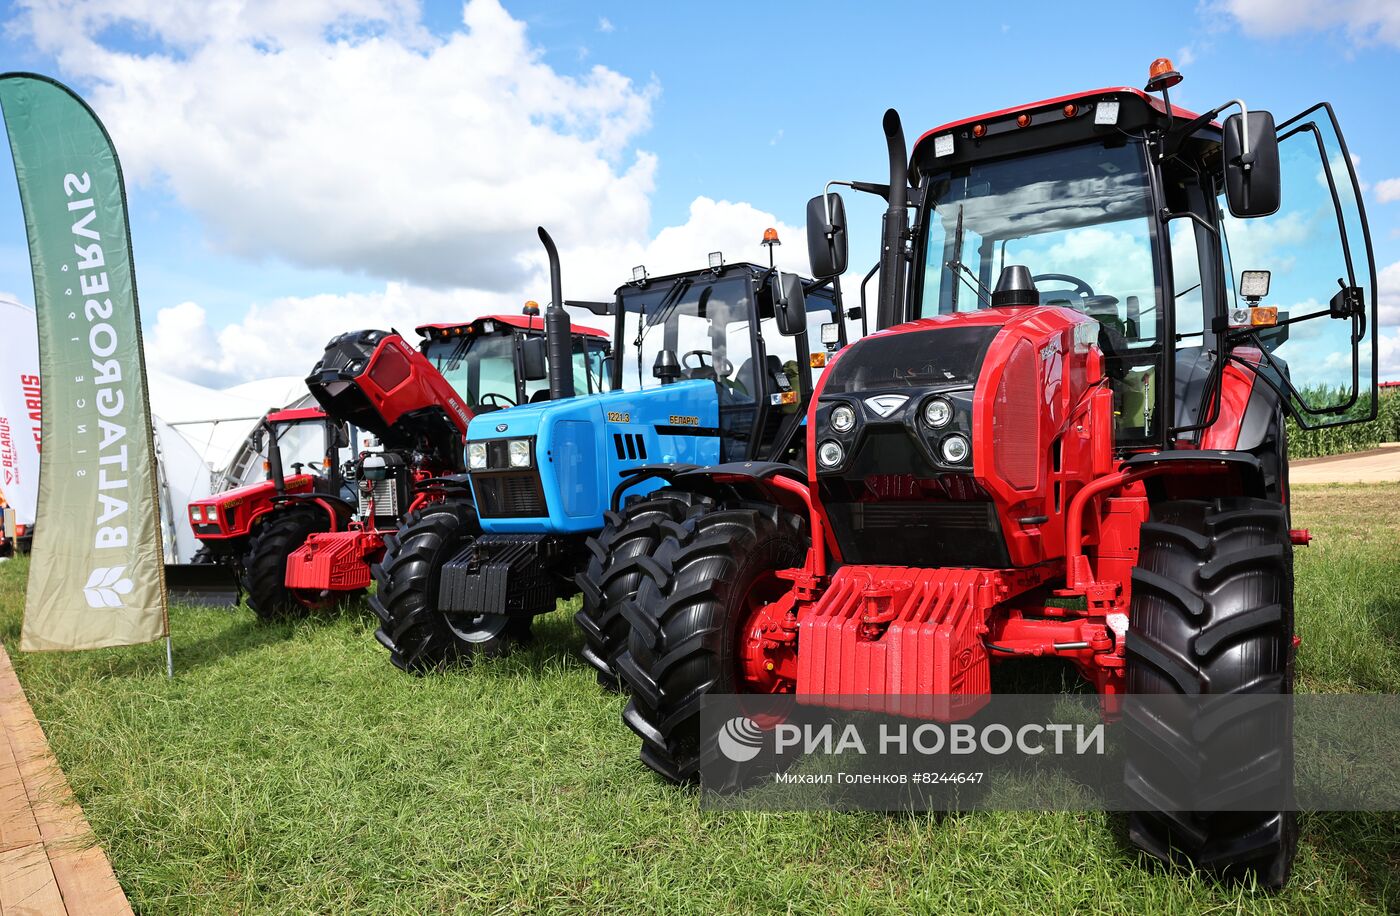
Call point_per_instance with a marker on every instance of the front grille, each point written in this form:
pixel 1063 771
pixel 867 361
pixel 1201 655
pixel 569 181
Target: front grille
pixel 510 494
pixel 929 533
pixel 385 495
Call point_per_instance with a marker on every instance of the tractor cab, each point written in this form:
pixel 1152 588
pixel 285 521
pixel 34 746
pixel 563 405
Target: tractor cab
pixel 294 451
pixel 1162 227
pixel 724 326
pixel 498 361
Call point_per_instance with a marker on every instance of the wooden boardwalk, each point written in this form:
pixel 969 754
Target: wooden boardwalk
pixel 49 860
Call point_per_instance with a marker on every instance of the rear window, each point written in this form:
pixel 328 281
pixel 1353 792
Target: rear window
pixel 917 359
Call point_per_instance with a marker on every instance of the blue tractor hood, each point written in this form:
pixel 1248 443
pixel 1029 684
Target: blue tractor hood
pixel 578 450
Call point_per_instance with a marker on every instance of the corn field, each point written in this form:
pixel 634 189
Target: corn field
pixel 1355 437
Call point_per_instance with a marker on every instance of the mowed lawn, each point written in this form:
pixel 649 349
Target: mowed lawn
pixel 290 769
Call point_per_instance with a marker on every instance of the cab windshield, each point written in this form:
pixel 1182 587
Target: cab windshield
pixel 1080 219
pixel 480 368
pixel 701 327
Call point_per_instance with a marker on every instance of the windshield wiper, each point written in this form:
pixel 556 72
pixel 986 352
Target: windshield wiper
pixel 663 310
pixel 958 267
pixel 982 292
pixel 454 359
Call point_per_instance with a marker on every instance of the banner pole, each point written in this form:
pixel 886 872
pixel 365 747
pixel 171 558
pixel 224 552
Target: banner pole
pixel 169 660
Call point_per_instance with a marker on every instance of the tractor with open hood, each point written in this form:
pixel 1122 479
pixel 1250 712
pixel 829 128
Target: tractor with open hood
pixel 317 544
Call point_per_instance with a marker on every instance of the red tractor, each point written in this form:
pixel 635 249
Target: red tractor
pixel 316 548
pixel 302 440
pixel 1066 442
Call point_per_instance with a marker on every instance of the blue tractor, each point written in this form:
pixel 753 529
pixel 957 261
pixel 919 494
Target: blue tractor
pixel 711 366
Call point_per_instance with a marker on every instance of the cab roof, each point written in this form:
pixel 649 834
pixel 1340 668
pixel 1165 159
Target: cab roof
pixel 523 322
pixel 296 414
pixel 1050 124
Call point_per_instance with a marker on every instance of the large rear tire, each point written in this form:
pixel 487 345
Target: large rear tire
pixel 618 560
pixel 1212 614
pixel 420 637
pixel 265 564
pixel 686 623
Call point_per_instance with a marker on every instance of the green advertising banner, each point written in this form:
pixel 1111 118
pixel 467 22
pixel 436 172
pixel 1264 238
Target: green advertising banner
pixel 96 574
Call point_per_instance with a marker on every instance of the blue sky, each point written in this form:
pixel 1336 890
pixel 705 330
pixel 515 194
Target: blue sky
pixel 630 114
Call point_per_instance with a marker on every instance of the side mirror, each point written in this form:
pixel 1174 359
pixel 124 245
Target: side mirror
pixel 826 235
pixel 532 359
pixel 789 304
pixel 1252 176
pixel 340 436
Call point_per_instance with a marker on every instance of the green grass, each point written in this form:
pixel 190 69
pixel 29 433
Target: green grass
pixel 289 769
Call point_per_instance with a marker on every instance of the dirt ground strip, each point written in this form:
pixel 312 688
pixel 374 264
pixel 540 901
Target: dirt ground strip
pixel 49 860
pixel 1371 466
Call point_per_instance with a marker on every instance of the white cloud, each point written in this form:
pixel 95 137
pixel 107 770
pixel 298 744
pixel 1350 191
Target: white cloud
pixel 1388 290
pixel 1365 21
pixel 1389 352
pixel 1388 191
pixel 340 134
pixel 1261 243
pixel 605 25
pixel 182 342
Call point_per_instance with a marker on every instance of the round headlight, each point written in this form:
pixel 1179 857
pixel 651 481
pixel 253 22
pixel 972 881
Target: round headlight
pixel 843 419
pixel 955 449
pixel 519 453
pixel 476 456
pixel 830 454
pixel 937 413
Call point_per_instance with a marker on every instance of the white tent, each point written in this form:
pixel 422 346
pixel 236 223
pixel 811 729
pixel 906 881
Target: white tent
pixel 198 430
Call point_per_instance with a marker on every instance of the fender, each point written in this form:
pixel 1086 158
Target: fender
pixel 752 479
pixel 448 484
pixel 1170 470
pixel 336 508
pixel 736 478
pixel 633 476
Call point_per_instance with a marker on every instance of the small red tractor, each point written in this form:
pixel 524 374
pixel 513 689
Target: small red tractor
pixel 303 440
pixel 1066 443
pixel 315 547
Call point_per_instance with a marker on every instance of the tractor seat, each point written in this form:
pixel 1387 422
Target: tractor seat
pixel 777 376
pixel 538 396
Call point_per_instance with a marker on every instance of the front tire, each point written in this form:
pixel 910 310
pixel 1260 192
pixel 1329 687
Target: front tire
pixel 420 637
pixel 265 564
pixel 1212 614
pixel 686 626
pixel 617 564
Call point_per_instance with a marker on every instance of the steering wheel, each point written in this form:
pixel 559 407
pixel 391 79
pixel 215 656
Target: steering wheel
pixel 724 369
pixel 493 398
pixel 1080 286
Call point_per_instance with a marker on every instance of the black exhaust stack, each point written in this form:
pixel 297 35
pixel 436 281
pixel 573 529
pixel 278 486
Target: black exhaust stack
pixel 889 308
pixel 558 332
pixel 274 457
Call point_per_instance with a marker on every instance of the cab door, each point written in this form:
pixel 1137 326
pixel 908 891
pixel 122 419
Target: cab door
pixel 1322 353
